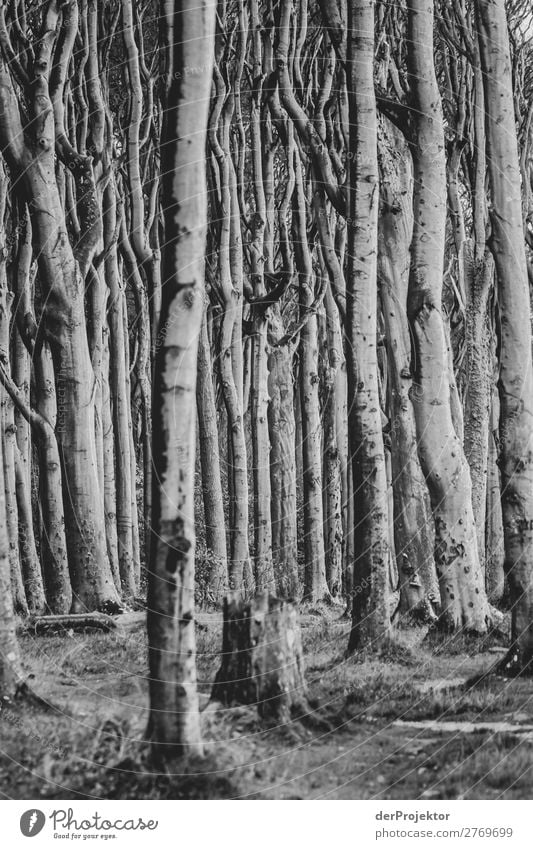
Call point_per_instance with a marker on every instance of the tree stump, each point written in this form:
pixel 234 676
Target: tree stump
pixel 262 658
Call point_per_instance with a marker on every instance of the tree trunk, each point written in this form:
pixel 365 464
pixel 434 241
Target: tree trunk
pixel 9 446
pixel 174 715
pixel 264 574
pixel 262 658
pixel 10 663
pixel 29 560
pixel 215 522
pixel 413 523
pixel 119 386
pixel 230 274
pixel 516 371
pixel 478 383
pixel 315 585
pixel 371 597
pixel 494 544
pixel 282 430
pixel 109 486
pixel 463 599
pixel 332 481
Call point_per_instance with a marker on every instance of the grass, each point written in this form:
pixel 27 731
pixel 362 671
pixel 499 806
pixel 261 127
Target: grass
pixel 93 743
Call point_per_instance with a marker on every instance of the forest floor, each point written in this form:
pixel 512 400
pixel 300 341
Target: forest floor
pixel 417 722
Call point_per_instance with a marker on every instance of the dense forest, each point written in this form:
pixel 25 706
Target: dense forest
pixel 265 335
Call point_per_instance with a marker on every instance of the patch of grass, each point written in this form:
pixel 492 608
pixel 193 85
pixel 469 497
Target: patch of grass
pixel 485 766
pixel 440 642
pixel 475 704
pixel 94 745
pixel 383 692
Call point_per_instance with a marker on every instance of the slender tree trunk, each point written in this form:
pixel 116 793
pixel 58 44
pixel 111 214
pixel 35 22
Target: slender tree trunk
pixel 231 349
pixel 494 544
pixel 478 379
pixel 54 556
pixel 315 584
pixel 10 663
pixel 9 446
pixel 110 492
pixel 283 466
pixel 29 560
pixel 371 597
pixel 332 496
pixel 11 513
pixel 215 522
pixel 119 386
pixel 264 574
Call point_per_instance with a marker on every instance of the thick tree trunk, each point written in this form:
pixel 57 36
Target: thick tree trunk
pixel 371 597
pixel 174 716
pixel 413 523
pixel 262 658
pixel 516 371
pixel 463 600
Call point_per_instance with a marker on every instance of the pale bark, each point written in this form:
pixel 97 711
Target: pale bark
pixel 263 569
pixel 516 371
pixel 230 281
pixel 315 584
pixel 494 544
pixel 462 591
pixel 125 484
pixel 413 523
pixel 332 480
pixel 371 595
pixel 32 158
pixel 174 716
pixel 10 662
pixel 29 561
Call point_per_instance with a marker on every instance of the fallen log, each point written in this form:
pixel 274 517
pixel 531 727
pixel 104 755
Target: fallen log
pixel 262 658
pixel 69 621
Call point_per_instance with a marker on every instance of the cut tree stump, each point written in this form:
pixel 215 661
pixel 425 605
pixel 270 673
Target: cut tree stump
pixel 262 658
